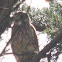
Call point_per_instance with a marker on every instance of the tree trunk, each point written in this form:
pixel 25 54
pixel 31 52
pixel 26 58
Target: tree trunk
pixel 5 10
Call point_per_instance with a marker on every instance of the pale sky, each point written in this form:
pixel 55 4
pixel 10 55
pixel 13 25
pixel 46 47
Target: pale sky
pixel 59 1
pixel 37 3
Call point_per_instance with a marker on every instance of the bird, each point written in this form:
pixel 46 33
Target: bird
pixel 24 41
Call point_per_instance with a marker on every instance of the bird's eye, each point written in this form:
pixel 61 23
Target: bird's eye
pixel 19 23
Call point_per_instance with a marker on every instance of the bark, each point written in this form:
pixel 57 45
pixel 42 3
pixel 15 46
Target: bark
pixel 5 10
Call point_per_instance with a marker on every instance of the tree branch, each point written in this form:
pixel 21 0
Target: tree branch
pixel 43 52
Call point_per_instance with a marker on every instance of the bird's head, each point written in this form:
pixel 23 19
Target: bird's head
pixel 21 18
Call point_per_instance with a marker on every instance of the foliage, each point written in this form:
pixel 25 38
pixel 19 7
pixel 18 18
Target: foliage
pixel 51 16
pixel 54 15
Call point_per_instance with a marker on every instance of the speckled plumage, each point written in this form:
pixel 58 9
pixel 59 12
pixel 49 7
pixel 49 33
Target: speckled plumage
pixel 24 39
